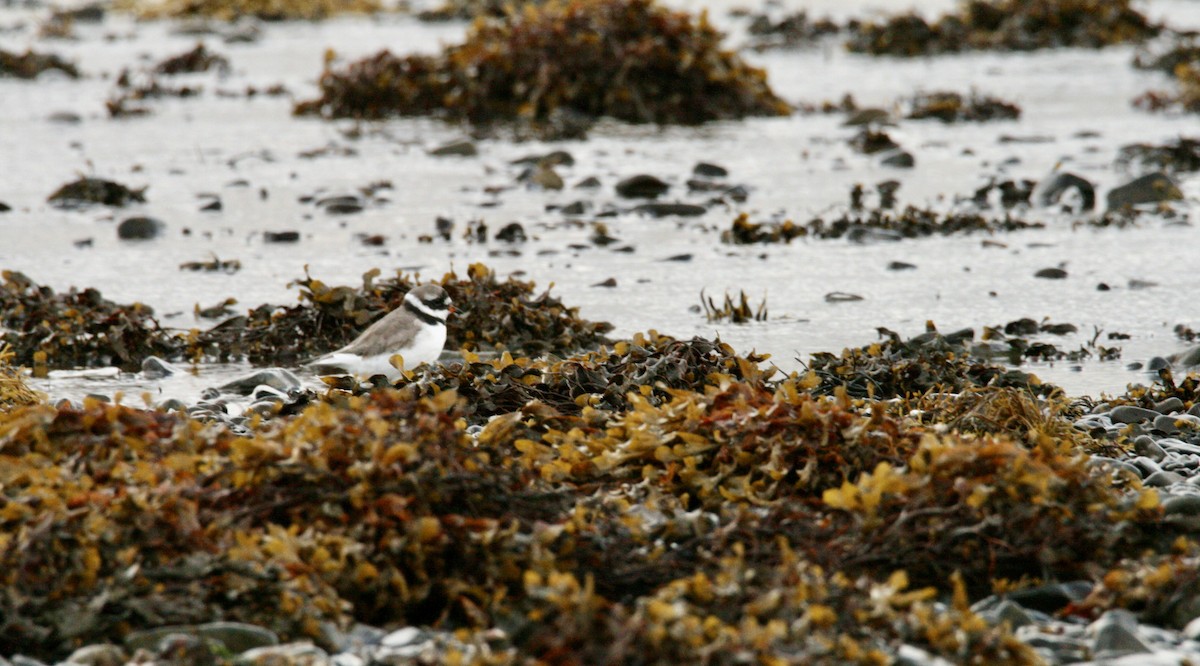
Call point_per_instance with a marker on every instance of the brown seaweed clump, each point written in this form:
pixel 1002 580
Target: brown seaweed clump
pixel 267 10
pixel 628 59
pixel 990 509
pixel 1179 156
pixel 29 65
pixel 875 224
pixel 13 391
pixel 494 315
pixel 78 328
pixel 1186 96
pixel 951 107
pixel 87 190
pixel 1006 25
pixel 199 59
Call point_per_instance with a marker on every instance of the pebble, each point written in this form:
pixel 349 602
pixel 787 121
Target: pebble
pixel 1051 274
pixel 140 228
pixel 710 170
pixel 668 209
pixel 289 654
pixel 1163 479
pixel 900 159
pixel 462 148
pixel 281 236
pixel 1115 634
pixel 154 367
pixel 642 186
pixel 1131 414
pixel 103 654
pixel 1150 188
pixel 281 379
pixel 237 637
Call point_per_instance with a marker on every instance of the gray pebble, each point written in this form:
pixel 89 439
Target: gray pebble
pixel 288 653
pixel 103 654
pixel 1182 505
pixel 276 378
pixel 139 228
pixel 1178 445
pixel 1147 465
pixel 1169 406
pixel 154 367
pixel 1115 634
pixel 1131 414
pixel 1146 446
pixel 1164 478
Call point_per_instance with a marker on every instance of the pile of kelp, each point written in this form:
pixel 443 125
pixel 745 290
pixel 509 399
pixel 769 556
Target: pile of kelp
pixel 492 314
pixel 83 329
pixel 30 64
pixel 267 10
pixel 13 390
pixel 627 59
pixel 874 224
pixel 711 509
pixel 1008 25
pixel 78 328
pixel 1181 60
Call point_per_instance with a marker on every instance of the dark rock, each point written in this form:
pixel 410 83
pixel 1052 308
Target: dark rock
pixel 512 232
pixel 900 266
pixel 463 148
pixel 1151 188
pixel 901 159
pixel 65 118
pixel 1144 445
pixel 1131 414
pixel 1182 505
pixel 344 204
pixel 1163 479
pixel 554 158
pixel 709 170
pixel 213 205
pixel 154 367
pixel 642 186
pixel 841 297
pixel 281 236
pixel 1169 406
pixel 139 228
pixel 1051 598
pixel 4 208
pixel 1051 190
pixel 679 257
pixel 610 282
pixel 657 209
pixel 589 183
pixel 575 208
pixel 1051 274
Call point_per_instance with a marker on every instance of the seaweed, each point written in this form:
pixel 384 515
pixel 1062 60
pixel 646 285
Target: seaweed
pixel 629 59
pixel 1005 25
pixel 29 65
pixel 78 328
pixel 87 190
pixel 495 315
pixel 267 10
pixel 951 107
pixel 13 390
pixel 912 222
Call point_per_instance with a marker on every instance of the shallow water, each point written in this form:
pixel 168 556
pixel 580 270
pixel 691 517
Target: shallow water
pixel 246 151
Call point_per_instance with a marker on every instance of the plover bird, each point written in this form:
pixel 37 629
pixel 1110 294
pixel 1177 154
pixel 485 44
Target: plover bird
pixel 416 331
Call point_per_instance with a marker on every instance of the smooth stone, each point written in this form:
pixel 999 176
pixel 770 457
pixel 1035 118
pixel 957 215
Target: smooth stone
pixel 139 228
pixel 667 209
pixel 1151 188
pixel 1195 410
pixel 463 148
pixel 900 159
pixel 710 170
pixel 642 186
pixel 1147 466
pixel 1169 406
pixel 1131 414
pixel 1191 631
pixel 1182 505
pixel 1115 635
pixel 1050 598
pixel 1166 424
pixel 1163 479
pixel 1189 358
pixel 1178 445
pixel 154 367
pixel 1145 445
pixel 288 654
pixel 280 379
pixel 1051 274
pixel 103 654
pixel 281 236
pixel 1157 363
pixel 347 659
